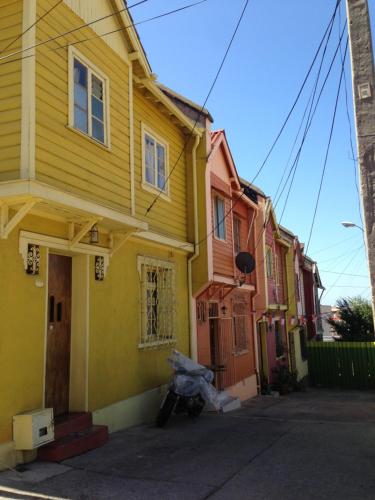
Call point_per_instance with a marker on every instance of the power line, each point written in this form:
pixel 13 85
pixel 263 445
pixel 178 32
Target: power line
pixel 328 29
pixel 104 34
pixel 156 198
pixel 30 27
pixel 328 147
pixel 144 21
pixel 343 274
pixel 334 244
pixel 72 31
pixel 295 164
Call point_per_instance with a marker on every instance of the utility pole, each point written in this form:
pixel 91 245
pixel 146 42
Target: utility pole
pixel 364 107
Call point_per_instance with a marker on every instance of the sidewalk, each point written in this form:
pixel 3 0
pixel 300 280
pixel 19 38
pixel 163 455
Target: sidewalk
pixel 318 444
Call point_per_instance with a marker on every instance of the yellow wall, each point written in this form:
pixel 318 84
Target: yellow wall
pixel 300 364
pixel 118 369
pixel 10 90
pixel 22 328
pixel 65 158
pixel 200 265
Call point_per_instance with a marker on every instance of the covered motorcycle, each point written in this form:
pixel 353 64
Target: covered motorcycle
pixel 189 391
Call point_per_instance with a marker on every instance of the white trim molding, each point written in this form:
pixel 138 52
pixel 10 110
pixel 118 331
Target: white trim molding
pixel 26 238
pixel 167 241
pixel 11 190
pixel 28 98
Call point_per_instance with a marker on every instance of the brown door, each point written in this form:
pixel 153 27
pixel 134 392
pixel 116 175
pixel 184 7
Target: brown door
pixel 58 333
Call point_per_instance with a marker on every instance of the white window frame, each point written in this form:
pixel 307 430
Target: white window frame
pixel 216 226
pixel 73 54
pixel 147 186
pixel 144 265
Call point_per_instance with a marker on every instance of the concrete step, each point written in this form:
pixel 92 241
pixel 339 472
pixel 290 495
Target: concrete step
pixel 74 444
pixel 230 404
pixel 72 422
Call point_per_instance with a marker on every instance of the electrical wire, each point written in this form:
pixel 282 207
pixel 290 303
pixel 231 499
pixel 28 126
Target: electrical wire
pixel 328 147
pixel 144 21
pixel 328 30
pixel 18 37
pixel 61 35
pixel 104 34
pixel 156 198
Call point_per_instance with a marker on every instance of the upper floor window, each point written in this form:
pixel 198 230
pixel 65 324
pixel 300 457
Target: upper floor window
pixel 269 263
pixel 155 157
pixel 297 283
pixel 88 99
pixel 219 219
pixel 277 271
pixel 237 234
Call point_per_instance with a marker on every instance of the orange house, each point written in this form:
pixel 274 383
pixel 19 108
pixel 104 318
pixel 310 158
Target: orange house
pixel 224 304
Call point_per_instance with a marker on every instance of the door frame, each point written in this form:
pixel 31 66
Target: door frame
pixel 79 351
pixel 79 329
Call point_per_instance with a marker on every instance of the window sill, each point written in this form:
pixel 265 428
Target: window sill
pixel 90 139
pixel 157 343
pixel 219 239
pixel 152 189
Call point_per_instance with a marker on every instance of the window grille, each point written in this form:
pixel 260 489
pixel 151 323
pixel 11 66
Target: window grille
pixel 240 326
pixel 157 301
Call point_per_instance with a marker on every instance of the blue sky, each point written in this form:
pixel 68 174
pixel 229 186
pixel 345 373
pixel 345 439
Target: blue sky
pixel 259 82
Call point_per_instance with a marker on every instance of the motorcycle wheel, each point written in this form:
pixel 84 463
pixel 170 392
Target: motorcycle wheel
pixel 166 409
pixel 197 409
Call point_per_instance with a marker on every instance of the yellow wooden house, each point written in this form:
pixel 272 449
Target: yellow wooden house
pixel 94 289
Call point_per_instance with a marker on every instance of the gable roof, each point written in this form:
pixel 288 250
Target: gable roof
pixel 190 108
pixel 219 141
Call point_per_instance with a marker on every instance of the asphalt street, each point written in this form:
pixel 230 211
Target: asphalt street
pixel 314 445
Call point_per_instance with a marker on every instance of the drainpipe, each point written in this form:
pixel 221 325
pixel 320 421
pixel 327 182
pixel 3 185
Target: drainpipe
pixel 192 309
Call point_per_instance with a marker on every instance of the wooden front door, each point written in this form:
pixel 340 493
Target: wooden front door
pixel 58 333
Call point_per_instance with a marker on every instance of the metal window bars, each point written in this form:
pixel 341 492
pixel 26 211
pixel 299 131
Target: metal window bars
pixel 158 301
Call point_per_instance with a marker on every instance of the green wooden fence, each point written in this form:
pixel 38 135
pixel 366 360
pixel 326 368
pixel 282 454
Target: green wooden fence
pixel 348 365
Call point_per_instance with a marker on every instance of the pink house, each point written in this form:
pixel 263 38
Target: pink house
pixel 224 304
pixel 271 324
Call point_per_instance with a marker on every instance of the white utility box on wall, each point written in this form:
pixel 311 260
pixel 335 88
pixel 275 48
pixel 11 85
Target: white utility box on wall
pixel 33 429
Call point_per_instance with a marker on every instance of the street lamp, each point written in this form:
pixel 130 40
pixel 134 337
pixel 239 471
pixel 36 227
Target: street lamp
pixel 351 224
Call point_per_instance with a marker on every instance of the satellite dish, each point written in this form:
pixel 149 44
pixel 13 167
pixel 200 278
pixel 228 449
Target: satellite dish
pixel 245 262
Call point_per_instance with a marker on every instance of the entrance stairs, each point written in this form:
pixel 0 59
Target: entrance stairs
pixel 74 434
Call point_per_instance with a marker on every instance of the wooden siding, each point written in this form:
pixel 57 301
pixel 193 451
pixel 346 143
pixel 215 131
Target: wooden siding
pixel 168 217
pixel 64 158
pixel 10 90
pixel 247 243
